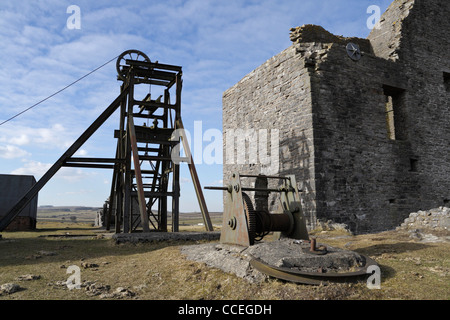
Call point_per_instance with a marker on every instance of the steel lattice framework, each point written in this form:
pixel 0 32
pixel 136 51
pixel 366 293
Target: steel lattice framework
pixel 146 164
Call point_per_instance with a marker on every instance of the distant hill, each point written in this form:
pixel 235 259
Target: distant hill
pixel 49 208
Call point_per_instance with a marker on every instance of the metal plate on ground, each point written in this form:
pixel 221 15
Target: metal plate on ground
pixel 312 278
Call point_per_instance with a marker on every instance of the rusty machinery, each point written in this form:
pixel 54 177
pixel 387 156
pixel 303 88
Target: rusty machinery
pixel 143 161
pixel 244 225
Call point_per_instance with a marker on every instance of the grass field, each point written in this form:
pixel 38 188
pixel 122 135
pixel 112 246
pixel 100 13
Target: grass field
pixel 158 271
pixel 67 214
pixel 87 215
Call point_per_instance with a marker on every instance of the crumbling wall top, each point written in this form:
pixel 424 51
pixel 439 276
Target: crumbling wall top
pixel 313 33
pixel 387 35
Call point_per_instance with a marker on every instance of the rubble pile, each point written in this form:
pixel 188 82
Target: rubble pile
pixel 428 225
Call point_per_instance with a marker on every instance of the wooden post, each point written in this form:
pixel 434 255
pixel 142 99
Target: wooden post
pixel 195 180
pixel 138 175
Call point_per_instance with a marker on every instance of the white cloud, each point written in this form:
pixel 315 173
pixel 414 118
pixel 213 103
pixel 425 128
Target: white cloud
pixel 11 152
pixel 47 138
pixel 184 180
pixel 81 153
pixel 76 193
pixel 33 168
pixel 74 174
pixel 20 140
pixel 38 169
pixel 217 183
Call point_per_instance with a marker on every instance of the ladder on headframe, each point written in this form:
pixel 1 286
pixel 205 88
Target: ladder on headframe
pixel 144 162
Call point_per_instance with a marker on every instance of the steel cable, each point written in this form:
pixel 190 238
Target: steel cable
pixel 59 91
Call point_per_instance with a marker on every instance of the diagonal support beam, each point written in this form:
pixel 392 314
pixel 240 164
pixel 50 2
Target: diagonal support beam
pixel 194 176
pixel 138 175
pixel 23 202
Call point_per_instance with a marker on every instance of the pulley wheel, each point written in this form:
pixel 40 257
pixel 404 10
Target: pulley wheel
pixel 135 55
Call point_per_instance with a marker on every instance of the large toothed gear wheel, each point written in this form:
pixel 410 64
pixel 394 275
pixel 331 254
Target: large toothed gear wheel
pixel 250 216
pixel 129 55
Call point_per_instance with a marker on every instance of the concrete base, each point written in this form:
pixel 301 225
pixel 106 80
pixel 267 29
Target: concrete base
pixel 284 253
pixel 165 236
pixel 228 258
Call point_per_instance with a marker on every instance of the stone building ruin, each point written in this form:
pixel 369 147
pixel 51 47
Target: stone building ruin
pixel 12 186
pixel 364 124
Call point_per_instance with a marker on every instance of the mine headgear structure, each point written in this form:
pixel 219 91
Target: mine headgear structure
pixel 146 165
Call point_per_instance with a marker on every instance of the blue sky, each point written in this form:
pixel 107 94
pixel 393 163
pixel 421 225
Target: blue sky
pixel 216 42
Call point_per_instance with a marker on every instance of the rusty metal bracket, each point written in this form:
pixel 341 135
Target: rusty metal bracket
pixel 234 225
pixel 316 250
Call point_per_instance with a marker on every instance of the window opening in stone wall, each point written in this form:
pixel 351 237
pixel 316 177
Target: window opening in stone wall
pixel 447 81
pixel 394 105
pixel 413 165
pixel 390 118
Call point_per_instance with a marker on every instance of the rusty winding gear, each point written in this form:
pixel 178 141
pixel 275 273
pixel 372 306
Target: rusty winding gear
pixel 258 222
pixel 302 259
pixel 250 215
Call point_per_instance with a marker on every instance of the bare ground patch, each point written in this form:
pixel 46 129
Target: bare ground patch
pixel 410 269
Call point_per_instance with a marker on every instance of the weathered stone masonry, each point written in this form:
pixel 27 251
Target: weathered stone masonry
pixel 368 140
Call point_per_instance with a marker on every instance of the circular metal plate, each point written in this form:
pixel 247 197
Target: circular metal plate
pixel 353 51
pixel 314 278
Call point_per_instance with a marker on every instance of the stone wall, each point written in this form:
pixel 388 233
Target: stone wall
pixel 425 51
pixel 386 37
pixel 433 224
pixel 363 178
pixel 368 140
pixel 421 31
pixel 274 96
